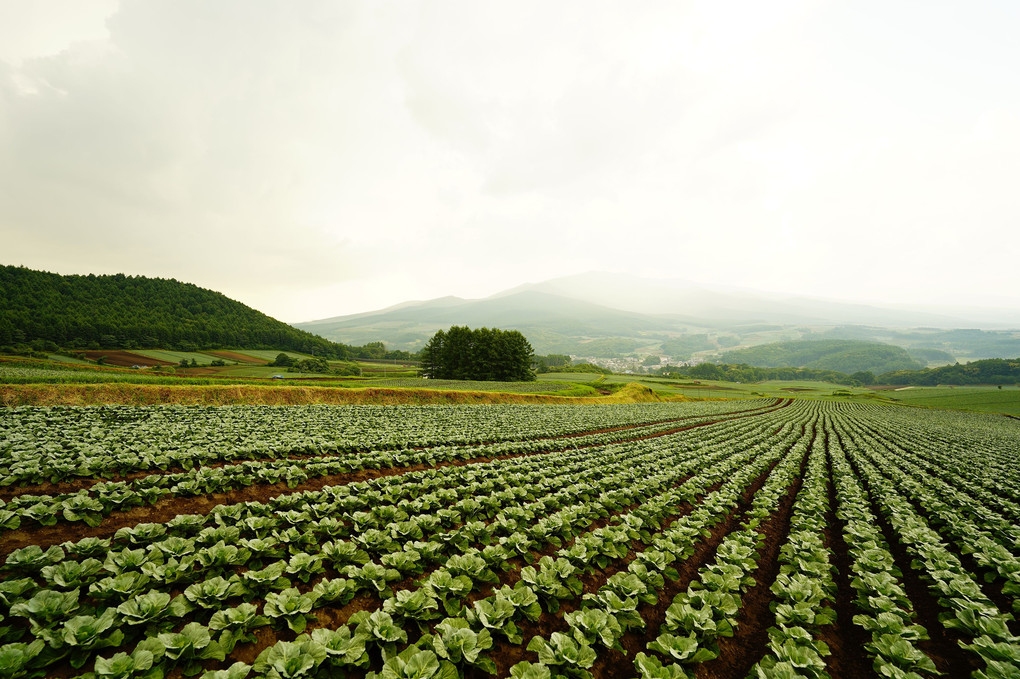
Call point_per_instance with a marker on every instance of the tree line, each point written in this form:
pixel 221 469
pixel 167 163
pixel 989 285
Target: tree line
pixel 985 371
pixel 136 312
pixel 488 354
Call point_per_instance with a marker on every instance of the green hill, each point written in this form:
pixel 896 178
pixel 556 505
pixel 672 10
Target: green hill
pixel 845 356
pixel 136 312
pixel 987 371
pixel 553 324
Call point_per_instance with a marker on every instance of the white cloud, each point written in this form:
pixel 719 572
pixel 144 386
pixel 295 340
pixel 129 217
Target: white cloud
pixel 46 27
pixel 323 158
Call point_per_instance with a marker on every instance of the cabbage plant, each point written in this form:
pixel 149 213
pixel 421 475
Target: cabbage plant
pixel 343 649
pixel 154 609
pixel 259 582
pixel 118 588
pixel 290 608
pixel 83 634
pixel 23 660
pixel 238 670
pixel 213 592
pixel 237 625
pixel 30 560
pixel 455 641
pixel 378 629
pixel 47 607
pixel 187 648
pixel 415 663
pixel 564 652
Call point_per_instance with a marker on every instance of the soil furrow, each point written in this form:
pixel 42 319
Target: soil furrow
pixel 943 645
pixel 168 507
pixel 83 483
pixel 750 639
pixel 845 639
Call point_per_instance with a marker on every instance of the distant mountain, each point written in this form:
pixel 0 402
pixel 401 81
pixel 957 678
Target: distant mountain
pixel 845 356
pixel 608 315
pixel 119 311
pixel 552 323
pixel 690 302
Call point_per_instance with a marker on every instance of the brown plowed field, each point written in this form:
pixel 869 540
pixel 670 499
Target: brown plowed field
pixel 123 358
pixel 240 358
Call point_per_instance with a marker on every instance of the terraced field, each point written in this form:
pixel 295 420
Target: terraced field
pixel 768 538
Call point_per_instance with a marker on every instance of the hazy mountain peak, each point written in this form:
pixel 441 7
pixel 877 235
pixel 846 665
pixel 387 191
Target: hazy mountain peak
pixel 623 314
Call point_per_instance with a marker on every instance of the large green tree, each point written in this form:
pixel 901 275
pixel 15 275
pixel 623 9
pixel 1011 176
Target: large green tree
pixel 461 353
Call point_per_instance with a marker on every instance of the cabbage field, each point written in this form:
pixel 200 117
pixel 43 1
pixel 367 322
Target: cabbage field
pixel 754 538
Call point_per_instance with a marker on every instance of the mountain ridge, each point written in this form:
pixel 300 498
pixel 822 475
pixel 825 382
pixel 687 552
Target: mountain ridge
pixel 611 314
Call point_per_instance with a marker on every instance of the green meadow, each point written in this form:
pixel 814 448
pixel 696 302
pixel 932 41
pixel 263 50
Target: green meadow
pixel 1004 400
pixel 64 370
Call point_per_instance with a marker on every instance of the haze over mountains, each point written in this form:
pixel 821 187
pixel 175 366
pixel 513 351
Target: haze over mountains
pixel 609 314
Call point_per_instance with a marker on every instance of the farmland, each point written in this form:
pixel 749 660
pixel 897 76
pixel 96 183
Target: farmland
pixel 769 537
pixel 982 399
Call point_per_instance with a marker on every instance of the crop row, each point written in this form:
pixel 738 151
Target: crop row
pixel 167 559
pixel 590 556
pixel 979 625
pixel 60 443
pixel 91 505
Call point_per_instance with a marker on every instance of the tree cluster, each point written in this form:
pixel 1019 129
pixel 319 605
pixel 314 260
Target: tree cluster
pixel 314 364
pixel 584 368
pixel 461 353
pixel 551 363
pixel 136 312
pixel 378 350
pixel 728 372
pixel 842 356
pixel 985 371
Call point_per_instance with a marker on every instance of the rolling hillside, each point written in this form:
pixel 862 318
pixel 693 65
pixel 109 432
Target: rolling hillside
pixel 845 356
pixel 552 323
pixel 82 312
pixel 609 315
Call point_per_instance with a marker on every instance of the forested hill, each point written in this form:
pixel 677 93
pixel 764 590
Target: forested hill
pixel 135 312
pixel 987 371
pixel 845 356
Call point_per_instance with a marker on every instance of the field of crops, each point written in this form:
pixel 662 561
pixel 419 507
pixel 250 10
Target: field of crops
pixel 761 538
pixel 981 399
pixel 538 386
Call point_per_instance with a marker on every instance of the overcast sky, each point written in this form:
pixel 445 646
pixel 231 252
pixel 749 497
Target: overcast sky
pixel 313 159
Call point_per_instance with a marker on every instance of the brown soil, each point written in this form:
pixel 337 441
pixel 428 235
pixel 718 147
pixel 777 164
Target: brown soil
pixel 124 358
pixel 240 358
pixel 334 616
pixel 169 507
pixel 72 486
pixel 942 646
pixel 846 640
pixel 749 642
pixel 612 663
